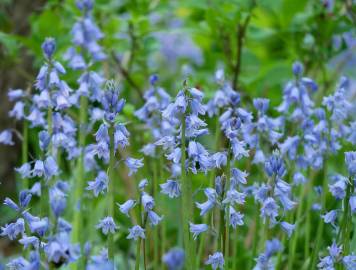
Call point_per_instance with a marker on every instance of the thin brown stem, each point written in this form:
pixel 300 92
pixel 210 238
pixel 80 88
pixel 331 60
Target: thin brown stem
pixel 240 35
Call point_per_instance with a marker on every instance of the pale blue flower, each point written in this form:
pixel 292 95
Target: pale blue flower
pixel 174 259
pixel 216 261
pixel 171 188
pixel 197 229
pixel 99 185
pixel 6 137
pixel 126 206
pixel 287 228
pixel 107 225
pixel 133 164
pixel 135 232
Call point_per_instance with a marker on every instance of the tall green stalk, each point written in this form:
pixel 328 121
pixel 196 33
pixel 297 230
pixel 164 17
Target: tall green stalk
pixel 80 181
pixel 347 219
pixel 155 231
pixel 211 183
pixel 308 217
pixel 24 150
pixel 320 228
pixel 111 191
pixel 227 210
pixel 293 243
pixel 186 197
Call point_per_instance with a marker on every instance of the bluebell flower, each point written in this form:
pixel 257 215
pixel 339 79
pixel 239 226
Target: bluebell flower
pixel 44 140
pixel 269 209
pixel 239 149
pixel 28 241
pixel 107 225
pixel 49 47
pixel 153 218
pixel 10 203
pixel 36 118
pixel 37 225
pixel 58 201
pixel 6 137
pixel 171 188
pixel 102 135
pixel 15 94
pixel 238 177
pixel 25 198
pixel 220 159
pixel 338 189
pixel 285 201
pixel 261 193
pixel 143 184
pixel 330 217
pixel 147 201
pixel 38 169
pixel 99 185
pixel 198 154
pixel 236 218
pixel 290 146
pixel 209 204
pixel 174 259
pixel 50 167
pixel 234 197
pixel 111 102
pixel 299 178
pixel 350 159
pixel 133 164
pixel 349 262
pixel 275 166
pixel 126 206
pixel 18 263
pixel 64 226
pixel 219 184
pixel 121 136
pixel 197 229
pixel 175 155
pixel 272 247
pixel 297 68
pixel 352 203
pixel 12 230
pixel 216 261
pixel 17 111
pixel 261 104
pixel 287 228
pixel 59 250
pixel 135 232
pixel 149 150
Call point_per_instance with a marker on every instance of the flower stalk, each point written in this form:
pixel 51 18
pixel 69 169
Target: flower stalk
pixel 111 203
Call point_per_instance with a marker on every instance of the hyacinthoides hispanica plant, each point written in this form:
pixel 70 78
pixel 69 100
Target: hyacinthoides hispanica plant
pixel 84 53
pixel 293 182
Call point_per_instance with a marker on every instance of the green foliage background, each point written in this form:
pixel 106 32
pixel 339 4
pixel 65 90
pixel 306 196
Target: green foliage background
pixel 277 33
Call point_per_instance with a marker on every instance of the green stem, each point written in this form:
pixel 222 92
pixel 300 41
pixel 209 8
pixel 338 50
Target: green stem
pixel 308 218
pixel 211 183
pixel 138 254
pixel 80 181
pixel 163 209
pixel 320 228
pixel 155 231
pixel 234 258
pixel 293 243
pixel 25 183
pixel 347 219
pixel 227 210
pixel 111 190
pixel 256 236
pixel 186 196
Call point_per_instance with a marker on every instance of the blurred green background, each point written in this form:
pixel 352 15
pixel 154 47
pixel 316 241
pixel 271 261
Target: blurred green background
pixel 254 42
